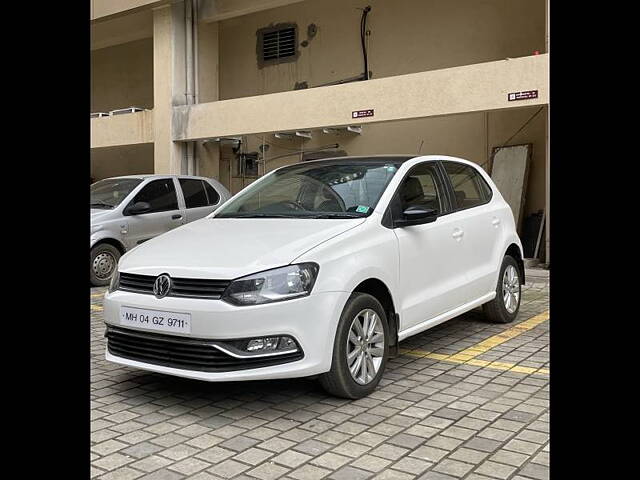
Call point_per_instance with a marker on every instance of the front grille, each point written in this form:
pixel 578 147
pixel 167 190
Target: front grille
pixel 183 353
pixel 180 287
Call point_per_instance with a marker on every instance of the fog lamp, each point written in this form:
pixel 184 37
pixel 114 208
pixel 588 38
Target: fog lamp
pixel 271 344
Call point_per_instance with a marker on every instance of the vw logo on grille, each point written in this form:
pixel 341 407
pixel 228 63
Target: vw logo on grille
pixel 161 286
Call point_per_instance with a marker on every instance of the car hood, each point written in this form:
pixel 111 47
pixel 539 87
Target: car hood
pixel 228 248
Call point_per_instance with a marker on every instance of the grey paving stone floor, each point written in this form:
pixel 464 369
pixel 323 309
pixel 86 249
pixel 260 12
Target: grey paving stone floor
pixel 430 418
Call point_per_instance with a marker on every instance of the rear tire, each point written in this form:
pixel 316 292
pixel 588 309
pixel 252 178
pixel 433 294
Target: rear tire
pixel 104 261
pixel 506 304
pixel 363 353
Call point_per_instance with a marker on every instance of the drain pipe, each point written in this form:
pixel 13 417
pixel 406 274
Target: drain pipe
pixel 196 49
pixel 189 150
pixel 196 78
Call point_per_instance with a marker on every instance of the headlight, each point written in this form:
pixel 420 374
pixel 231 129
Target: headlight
pixel 115 281
pixel 275 285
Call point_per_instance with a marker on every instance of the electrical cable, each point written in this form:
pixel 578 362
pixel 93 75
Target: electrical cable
pixel 522 127
pixel 504 144
pixel 363 33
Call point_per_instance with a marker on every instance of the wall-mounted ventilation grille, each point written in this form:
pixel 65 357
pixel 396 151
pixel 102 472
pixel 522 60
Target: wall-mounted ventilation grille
pixel 279 44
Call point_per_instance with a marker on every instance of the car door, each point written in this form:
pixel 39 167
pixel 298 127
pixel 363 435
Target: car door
pixel 200 198
pixel 478 221
pixel 431 271
pixel 164 215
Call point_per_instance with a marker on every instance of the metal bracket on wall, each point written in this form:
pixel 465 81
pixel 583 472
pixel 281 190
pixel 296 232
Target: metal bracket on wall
pixel 357 129
pixel 291 135
pixel 233 140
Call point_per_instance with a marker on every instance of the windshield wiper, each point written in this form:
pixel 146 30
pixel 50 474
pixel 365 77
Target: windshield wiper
pixel 101 204
pixel 256 215
pixel 281 215
pixel 333 215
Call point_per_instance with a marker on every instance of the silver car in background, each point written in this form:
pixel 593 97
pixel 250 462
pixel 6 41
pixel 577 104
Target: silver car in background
pixel 126 211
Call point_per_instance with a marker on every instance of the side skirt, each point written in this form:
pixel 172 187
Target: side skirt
pixel 421 327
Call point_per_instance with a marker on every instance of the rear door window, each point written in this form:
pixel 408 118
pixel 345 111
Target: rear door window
pixel 194 193
pixel 468 186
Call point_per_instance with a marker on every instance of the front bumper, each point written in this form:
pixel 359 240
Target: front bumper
pixel 311 320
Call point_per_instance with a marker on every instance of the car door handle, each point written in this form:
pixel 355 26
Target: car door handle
pixel 495 222
pixel 457 234
pixel 176 217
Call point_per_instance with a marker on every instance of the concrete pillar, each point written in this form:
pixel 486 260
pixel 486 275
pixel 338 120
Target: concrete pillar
pixel 208 154
pixel 168 85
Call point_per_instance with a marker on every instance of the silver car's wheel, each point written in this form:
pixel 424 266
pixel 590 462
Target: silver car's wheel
pixel 104 264
pixel 365 346
pixel 510 289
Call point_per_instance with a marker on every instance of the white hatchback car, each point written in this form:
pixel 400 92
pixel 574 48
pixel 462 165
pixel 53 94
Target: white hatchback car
pixel 318 268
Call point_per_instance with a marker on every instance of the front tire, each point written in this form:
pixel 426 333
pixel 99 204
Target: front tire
pixel 360 349
pixel 506 304
pixel 104 261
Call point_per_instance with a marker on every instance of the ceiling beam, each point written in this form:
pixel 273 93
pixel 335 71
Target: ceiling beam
pixel 216 10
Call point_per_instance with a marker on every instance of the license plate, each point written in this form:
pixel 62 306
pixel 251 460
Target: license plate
pixel 155 320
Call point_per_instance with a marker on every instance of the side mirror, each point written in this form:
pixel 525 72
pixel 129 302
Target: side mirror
pixel 416 215
pixel 138 208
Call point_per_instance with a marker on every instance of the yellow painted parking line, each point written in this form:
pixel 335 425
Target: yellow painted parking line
pixel 502 337
pixel 468 355
pixel 475 362
pixel 97 295
pixel 96 308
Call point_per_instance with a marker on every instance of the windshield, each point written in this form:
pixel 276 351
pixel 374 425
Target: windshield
pixel 316 190
pixel 109 193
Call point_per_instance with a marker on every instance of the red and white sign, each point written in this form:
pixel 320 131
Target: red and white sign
pixel 522 95
pixel 362 113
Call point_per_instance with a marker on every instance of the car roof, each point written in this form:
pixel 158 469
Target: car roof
pixel 157 175
pixel 377 159
pixel 381 159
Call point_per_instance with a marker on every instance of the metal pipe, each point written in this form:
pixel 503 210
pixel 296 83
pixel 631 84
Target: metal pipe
pixel 547 233
pixel 196 50
pixel 196 78
pixel 189 149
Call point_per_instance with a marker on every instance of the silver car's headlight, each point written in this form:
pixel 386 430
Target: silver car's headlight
pixel 115 281
pixel 275 285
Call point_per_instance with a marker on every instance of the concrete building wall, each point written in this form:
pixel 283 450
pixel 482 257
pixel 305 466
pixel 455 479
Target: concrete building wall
pixel 122 76
pixel 123 160
pixel 407 36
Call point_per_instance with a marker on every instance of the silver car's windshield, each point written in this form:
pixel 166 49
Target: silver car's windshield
pixel 109 193
pixel 316 190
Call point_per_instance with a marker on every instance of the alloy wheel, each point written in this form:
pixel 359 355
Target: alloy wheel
pixel 365 346
pixel 510 289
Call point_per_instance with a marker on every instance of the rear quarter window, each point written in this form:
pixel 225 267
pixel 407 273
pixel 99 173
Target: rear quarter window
pixel 213 196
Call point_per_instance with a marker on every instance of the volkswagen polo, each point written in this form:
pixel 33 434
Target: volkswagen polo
pixel 318 269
